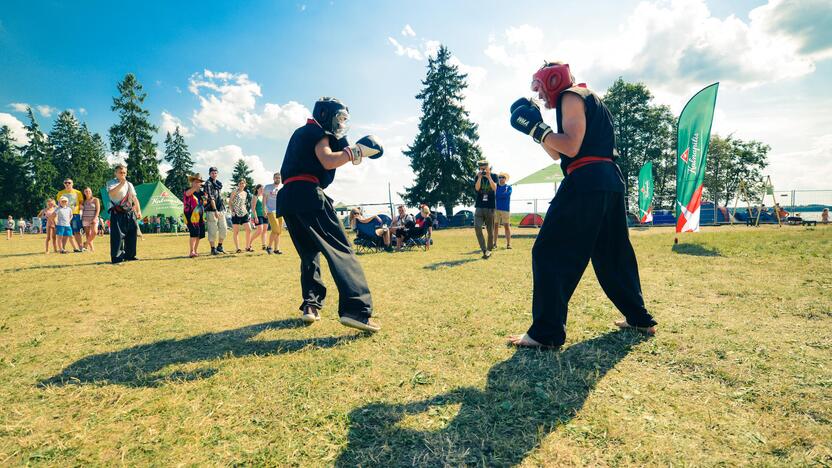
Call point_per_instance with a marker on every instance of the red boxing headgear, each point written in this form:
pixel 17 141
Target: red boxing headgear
pixel 552 79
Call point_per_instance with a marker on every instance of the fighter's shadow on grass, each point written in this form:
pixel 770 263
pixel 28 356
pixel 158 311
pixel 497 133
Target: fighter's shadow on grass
pixel 526 397
pixel 696 250
pixel 139 366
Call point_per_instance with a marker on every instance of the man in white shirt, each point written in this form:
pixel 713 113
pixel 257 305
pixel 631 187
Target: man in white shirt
pixel 124 210
pixel 275 222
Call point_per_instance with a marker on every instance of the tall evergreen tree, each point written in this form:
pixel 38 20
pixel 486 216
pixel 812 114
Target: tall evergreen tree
pixel 445 152
pixel 242 171
pixel 64 138
pixel 177 154
pixel 134 132
pixel 13 178
pixel 38 156
pixel 91 167
pixel 77 153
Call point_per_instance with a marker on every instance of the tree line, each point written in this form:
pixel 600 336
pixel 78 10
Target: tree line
pixel 444 152
pixel 33 172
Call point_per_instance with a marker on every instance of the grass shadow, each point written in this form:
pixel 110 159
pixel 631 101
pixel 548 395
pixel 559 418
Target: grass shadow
pixel 139 366
pixel 28 254
pixel 449 264
pixel 54 267
pixel 696 250
pixel 526 397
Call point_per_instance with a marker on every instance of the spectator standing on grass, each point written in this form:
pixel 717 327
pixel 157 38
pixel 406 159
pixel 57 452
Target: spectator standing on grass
pixel 239 214
pixel 75 200
pixel 125 212
pixel 9 227
pixel 502 212
pixel 275 222
pixel 21 226
pixel 259 216
pixel 48 214
pixel 63 224
pixel 215 222
pixel 194 207
pixel 89 217
pixel 824 216
pixel 485 186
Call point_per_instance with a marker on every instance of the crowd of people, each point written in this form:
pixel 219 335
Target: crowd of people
pixel 404 227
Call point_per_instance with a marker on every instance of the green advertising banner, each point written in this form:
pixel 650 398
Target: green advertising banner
pixel 694 134
pixel 645 194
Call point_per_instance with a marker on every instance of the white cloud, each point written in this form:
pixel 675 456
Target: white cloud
pixel 18 131
pixel 808 169
pixel 82 111
pixel 19 106
pixel 409 52
pixel 225 157
pixel 170 122
pixel 228 101
pixel 45 110
pixel 408 31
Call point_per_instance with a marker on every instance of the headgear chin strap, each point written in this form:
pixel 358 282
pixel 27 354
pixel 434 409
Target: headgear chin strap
pixel 552 79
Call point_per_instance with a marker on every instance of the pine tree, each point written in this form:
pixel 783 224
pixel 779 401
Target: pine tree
pixel 13 178
pixel 134 132
pixel 38 156
pixel 242 171
pixel 78 154
pixel 445 152
pixel 91 168
pixel 177 154
pixel 64 139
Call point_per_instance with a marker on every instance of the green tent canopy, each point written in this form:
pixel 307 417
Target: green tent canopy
pixel 154 198
pixel 548 175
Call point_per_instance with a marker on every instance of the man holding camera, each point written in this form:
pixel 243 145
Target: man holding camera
pixel 587 218
pixel 485 186
pixel 124 211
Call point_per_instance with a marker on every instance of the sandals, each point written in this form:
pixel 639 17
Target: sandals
pixel 525 341
pixel 622 324
pixel 239 251
pixel 249 249
pixel 368 326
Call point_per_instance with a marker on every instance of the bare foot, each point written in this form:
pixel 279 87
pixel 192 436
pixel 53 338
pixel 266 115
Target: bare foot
pixel 525 341
pixel 648 330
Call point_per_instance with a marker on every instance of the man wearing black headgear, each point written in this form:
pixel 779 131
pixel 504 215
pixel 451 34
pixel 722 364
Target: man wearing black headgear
pixel 314 152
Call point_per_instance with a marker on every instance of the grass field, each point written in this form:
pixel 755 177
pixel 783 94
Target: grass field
pixel 170 361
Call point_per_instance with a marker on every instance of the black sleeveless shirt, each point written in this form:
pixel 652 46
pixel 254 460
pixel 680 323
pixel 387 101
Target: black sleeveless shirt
pixel 303 196
pixel 599 140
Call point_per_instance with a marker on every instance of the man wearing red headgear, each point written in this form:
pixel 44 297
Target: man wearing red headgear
pixel 586 219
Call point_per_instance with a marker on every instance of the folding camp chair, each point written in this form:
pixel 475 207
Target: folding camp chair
pixel 366 240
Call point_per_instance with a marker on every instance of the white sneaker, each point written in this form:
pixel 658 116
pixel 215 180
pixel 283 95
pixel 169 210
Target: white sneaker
pixel 310 315
pixel 370 326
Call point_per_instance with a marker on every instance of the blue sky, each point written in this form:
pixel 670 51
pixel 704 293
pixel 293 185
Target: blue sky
pixel 239 77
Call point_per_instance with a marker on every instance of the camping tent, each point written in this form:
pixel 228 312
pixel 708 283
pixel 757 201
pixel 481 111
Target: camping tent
pixel 531 220
pixel 154 198
pixel 548 175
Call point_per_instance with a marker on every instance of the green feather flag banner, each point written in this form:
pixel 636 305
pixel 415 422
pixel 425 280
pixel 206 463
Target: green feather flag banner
pixel 691 150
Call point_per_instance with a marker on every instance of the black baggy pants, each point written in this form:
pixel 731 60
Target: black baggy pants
pixel 319 232
pixel 122 237
pixel 580 226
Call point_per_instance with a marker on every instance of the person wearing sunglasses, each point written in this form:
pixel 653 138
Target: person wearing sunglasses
pixel 75 200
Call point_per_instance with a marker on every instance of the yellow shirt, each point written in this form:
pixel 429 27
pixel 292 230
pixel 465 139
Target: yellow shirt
pixel 76 199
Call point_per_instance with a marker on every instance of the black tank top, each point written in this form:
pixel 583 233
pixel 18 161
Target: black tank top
pixel 599 139
pixel 300 155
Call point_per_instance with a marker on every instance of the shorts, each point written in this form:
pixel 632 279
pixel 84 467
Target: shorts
pixel 64 231
pixel 239 219
pixel 261 221
pixel 502 217
pixel 91 223
pixel 276 223
pixel 197 230
pixel 75 224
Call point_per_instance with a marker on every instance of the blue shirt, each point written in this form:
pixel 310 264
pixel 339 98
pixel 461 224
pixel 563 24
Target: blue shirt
pixel 504 197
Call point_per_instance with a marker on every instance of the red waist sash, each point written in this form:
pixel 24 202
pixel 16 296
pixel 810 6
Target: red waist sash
pixel 585 161
pixel 302 177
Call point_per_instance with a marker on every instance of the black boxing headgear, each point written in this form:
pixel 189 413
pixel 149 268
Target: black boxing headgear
pixel 332 115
